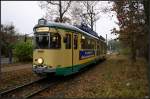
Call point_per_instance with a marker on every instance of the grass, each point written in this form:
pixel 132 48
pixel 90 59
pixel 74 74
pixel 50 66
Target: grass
pixel 117 77
pixel 124 78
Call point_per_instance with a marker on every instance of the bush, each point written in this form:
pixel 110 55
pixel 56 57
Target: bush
pixel 23 51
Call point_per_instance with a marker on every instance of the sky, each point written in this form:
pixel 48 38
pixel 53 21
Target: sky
pixel 25 14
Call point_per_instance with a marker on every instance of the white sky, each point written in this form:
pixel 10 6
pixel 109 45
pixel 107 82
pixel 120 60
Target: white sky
pixel 25 14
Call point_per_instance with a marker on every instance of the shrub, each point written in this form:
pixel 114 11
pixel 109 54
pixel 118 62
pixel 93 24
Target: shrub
pixel 23 51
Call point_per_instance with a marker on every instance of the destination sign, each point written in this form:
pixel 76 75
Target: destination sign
pixel 42 29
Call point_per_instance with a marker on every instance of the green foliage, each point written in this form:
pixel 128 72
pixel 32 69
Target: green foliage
pixel 23 51
pixel 113 45
pixel 125 51
pixel 8 37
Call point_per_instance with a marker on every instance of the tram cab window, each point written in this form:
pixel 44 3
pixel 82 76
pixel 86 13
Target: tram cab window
pixel 48 40
pixel 68 41
pixel 42 41
pixel 75 41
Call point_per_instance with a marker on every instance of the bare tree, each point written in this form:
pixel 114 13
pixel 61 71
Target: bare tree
pixel 76 12
pixel 55 9
pixel 87 12
pixel 91 14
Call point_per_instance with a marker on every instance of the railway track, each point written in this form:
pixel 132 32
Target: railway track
pixel 29 89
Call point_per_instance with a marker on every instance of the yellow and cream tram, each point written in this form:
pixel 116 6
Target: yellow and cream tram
pixel 64 49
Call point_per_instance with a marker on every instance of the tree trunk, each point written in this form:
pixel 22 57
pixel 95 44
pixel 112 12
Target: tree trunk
pixel 92 18
pixel 133 49
pixel 60 12
pixel 91 22
pixel 149 28
pixel 10 55
pixel 148 19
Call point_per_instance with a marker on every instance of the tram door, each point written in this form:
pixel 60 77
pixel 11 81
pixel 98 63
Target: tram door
pixel 75 53
pixel 68 50
pixel 72 50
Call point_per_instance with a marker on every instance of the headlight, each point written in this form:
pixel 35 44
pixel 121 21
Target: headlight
pixel 40 60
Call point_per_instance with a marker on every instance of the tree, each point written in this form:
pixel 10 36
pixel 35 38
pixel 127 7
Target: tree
pixel 56 10
pixel 7 37
pixel 85 12
pixel 90 15
pixel 132 26
pixel 146 4
pixel 113 45
pixel 76 12
pixel 88 12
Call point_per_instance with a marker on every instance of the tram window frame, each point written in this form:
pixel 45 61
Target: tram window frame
pixel 68 41
pixel 75 44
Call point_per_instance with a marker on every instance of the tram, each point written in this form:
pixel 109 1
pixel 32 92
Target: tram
pixel 64 49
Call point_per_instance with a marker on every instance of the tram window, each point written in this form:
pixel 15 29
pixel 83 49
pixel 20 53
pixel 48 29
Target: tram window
pixel 87 43
pixel 42 41
pixel 83 42
pixel 75 41
pixel 45 41
pixel 68 41
pixel 55 41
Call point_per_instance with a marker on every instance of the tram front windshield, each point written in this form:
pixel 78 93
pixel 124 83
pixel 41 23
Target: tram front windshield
pixel 49 40
pixel 42 41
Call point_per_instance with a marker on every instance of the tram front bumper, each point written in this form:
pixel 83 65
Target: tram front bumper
pixel 39 69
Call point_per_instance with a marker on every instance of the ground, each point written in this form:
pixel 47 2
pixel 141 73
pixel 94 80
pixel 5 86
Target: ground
pixel 16 74
pixel 13 67
pixel 115 77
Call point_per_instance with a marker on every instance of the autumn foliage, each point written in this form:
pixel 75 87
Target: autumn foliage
pixel 132 22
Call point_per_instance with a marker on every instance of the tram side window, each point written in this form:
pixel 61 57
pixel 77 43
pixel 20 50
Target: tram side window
pixel 97 50
pixel 55 41
pixel 75 41
pixel 83 42
pixel 68 41
pixel 87 43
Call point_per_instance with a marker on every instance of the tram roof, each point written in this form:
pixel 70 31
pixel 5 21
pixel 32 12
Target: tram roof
pixel 66 26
